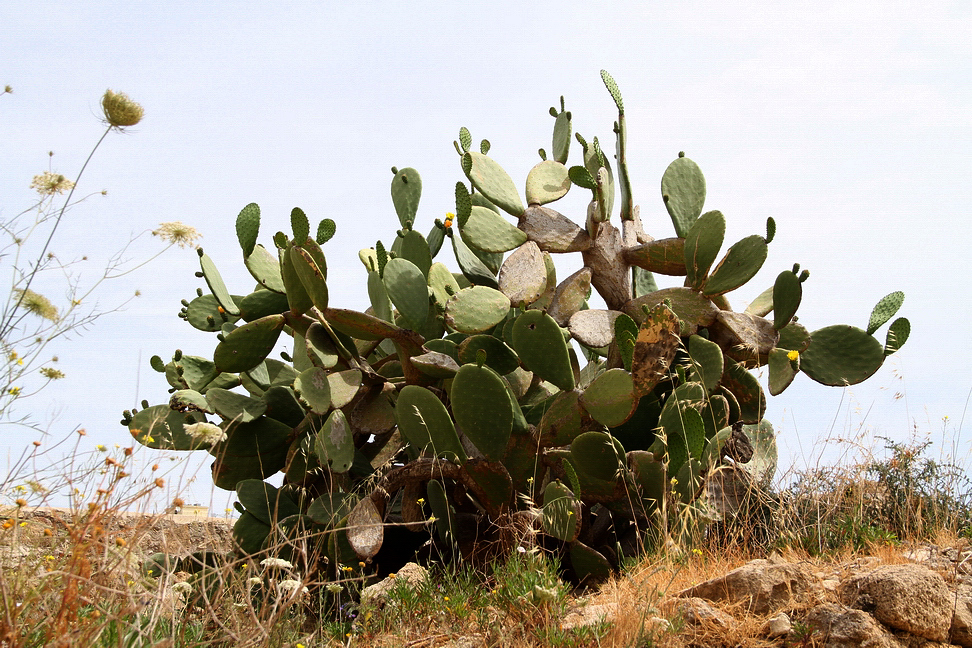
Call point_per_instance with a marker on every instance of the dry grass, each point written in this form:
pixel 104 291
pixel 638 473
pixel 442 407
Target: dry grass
pixel 79 578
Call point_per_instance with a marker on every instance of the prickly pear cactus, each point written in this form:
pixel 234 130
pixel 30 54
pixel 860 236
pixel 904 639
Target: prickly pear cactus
pixel 467 403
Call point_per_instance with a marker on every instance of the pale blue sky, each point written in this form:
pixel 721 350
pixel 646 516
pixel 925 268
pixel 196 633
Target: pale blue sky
pixel 848 122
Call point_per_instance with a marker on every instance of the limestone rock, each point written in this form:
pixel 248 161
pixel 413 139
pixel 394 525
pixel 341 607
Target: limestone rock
pixel 375 594
pixel 760 585
pixel 835 626
pixel 905 597
pixel 697 611
pixel 777 626
pixel 961 630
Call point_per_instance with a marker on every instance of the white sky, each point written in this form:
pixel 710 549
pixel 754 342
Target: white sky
pixel 848 122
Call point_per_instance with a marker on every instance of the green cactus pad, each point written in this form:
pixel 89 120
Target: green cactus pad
pixel 162 428
pixel 442 345
pixel 571 295
pixel 253 450
pixel 435 238
pixel 416 249
pixel 406 190
pixel 683 190
pixel 692 309
pixel 781 370
pixel 216 285
pixel 762 305
pixel 442 283
pixel 471 265
pixel 330 508
pixel 499 356
pixel 898 334
pixel 684 430
pixel 320 347
pixel 495 183
pixel 582 177
pixel 482 409
pixel 547 182
pixel 664 256
pixel 539 342
pixel 311 276
pixel 688 481
pixel 523 276
pixel 746 390
pixel 553 231
pixel 203 314
pixel 249 533
pixel 841 355
pixel 334 445
pixel 610 399
pixel 189 400
pixel 765 453
pixel 654 348
pixel 625 335
pixel 715 414
pixel 702 244
pixel 426 423
pixel 638 432
pixel 561 137
pixel 313 389
pixel 561 512
pixel 299 225
pixel 707 359
pixel 494 481
pixel 435 364
pixel 884 310
pixel 560 420
pixel 476 309
pixel 794 337
pixel 442 511
pixel 741 263
pixel 366 532
pixel 589 565
pixel 593 328
pixel 344 386
pixel 325 231
pixel 359 326
pixel 487 231
pixel 248 227
pixel 597 455
pixel 265 268
pixel 649 474
pixel 787 294
pixel 380 304
pixel 264 501
pixel 261 303
pixel 300 302
pixel 714 445
pixel 408 289
pixel 248 346
pixel 233 406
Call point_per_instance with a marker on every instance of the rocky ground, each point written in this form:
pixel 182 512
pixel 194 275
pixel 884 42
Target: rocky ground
pixel 914 597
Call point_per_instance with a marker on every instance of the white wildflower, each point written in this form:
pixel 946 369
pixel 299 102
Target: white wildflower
pixel 291 587
pixel 205 432
pixel 254 581
pixel 50 183
pixel 278 563
pixel 185 236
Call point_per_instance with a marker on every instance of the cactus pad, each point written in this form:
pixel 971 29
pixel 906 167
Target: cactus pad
pixel 495 183
pixel 334 445
pixel 539 342
pixel 841 355
pixel 702 244
pixel 247 346
pixel 683 190
pixel 884 310
pixel 476 309
pixel 482 408
pixel 406 190
pixel 523 276
pixel 547 182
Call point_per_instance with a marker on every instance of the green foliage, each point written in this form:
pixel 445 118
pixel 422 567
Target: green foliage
pixel 459 402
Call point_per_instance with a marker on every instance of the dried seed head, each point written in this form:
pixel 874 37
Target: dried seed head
pixel 120 111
